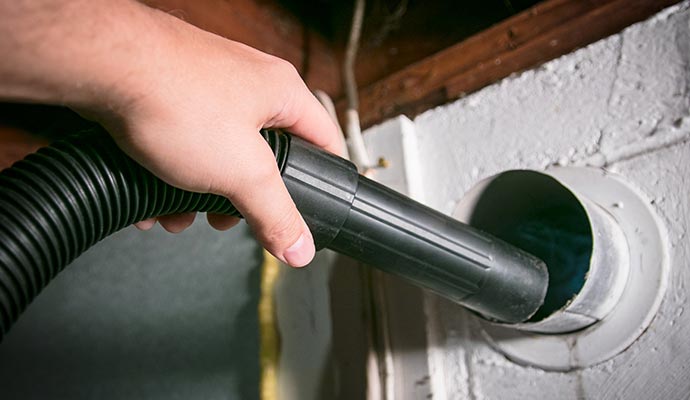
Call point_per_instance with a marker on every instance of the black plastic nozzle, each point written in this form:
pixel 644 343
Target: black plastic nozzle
pixel 356 216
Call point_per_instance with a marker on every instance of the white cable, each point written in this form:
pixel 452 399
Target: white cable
pixel 353 130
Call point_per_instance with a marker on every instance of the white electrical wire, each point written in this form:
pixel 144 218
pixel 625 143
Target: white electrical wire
pixel 353 130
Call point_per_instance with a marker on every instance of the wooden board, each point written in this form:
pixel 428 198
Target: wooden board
pixel 537 35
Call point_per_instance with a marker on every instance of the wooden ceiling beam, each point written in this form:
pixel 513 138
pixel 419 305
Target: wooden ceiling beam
pixel 539 34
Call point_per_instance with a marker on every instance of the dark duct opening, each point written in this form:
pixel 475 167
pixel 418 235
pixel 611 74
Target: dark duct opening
pixel 536 213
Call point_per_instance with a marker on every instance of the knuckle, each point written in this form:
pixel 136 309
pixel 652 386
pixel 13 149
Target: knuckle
pixel 284 71
pixel 286 68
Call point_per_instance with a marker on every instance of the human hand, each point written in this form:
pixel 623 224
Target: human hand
pixel 186 104
pixel 192 117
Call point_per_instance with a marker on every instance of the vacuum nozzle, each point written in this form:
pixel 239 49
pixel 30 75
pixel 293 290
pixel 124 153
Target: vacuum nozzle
pixel 356 216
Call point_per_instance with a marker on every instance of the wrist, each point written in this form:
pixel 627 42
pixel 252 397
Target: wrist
pixel 133 68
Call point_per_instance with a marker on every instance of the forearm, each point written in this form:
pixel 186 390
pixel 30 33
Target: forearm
pixel 92 55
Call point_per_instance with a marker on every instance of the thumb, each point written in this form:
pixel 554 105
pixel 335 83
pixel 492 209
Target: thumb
pixel 260 195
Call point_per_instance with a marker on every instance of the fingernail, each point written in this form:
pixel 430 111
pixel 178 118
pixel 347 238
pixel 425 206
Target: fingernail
pixel 301 252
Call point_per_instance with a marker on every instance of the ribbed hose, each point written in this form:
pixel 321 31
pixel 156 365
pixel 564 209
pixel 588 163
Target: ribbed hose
pixel 63 199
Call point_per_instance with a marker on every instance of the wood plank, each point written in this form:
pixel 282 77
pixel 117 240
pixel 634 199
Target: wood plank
pixel 414 30
pixel 537 35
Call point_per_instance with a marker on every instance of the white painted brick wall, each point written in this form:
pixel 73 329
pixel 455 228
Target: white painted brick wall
pixel 622 103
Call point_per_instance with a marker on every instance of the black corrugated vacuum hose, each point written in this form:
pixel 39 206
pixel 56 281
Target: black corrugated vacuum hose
pixel 61 200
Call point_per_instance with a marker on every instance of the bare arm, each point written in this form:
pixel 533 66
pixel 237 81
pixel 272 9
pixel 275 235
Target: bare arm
pixel 184 103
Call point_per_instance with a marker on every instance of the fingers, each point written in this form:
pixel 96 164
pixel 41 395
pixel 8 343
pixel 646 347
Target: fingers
pixel 303 115
pixel 315 125
pixel 176 223
pixel 146 224
pixel 222 222
pixel 260 195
